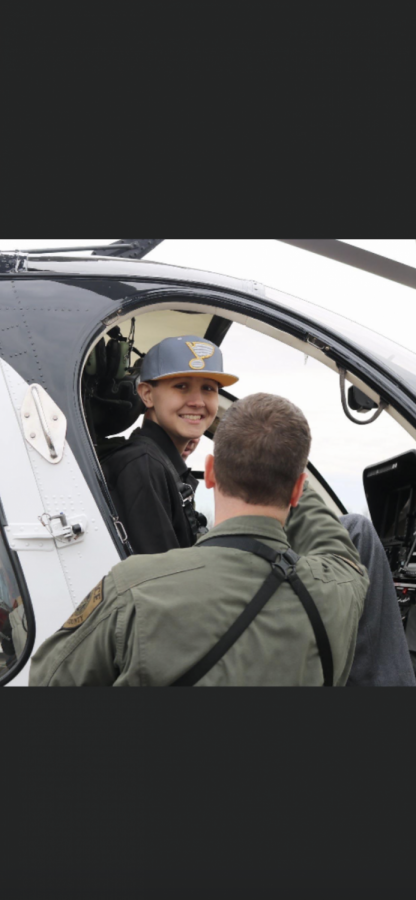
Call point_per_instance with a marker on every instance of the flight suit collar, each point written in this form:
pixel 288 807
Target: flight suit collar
pixel 159 436
pixel 256 526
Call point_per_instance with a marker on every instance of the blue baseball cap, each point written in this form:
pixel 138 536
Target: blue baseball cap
pixel 187 355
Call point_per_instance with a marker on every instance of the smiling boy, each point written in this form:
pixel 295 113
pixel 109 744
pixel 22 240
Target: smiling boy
pixel 148 478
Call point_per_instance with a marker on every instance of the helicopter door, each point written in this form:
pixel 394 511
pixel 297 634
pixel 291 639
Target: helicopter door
pixel 49 518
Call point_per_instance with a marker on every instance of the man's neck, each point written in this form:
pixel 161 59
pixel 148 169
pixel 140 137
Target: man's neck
pixel 231 508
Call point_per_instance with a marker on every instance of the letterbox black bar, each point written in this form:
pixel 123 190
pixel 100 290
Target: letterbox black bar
pixel 359 259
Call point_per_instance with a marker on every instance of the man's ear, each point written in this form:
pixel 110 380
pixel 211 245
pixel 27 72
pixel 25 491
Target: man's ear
pixel 298 489
pixel 145 393
pixel 209 472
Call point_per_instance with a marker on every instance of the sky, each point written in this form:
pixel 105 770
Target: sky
pixel 340 450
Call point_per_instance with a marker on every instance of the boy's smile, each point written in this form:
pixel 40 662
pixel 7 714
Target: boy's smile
pixel 184 406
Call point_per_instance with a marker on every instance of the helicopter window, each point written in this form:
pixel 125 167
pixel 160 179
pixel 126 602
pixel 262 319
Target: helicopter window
pixel 340 449
pixel 14 630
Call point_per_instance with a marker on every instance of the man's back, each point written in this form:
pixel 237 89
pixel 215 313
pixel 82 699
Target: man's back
pixel 159 615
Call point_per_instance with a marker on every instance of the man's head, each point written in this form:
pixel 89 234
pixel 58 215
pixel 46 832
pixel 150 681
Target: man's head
pixel 179 384
pixel 261 449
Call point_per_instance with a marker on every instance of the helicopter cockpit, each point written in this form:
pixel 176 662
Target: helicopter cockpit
pixel 74 331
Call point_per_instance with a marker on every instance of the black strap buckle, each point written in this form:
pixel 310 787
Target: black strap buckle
pixel 285 562
pixel 186 493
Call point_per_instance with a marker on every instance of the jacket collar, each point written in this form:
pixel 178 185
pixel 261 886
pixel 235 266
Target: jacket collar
pixel 256 526
pixel 159 436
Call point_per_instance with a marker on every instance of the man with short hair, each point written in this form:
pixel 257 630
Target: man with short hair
pixel 239 608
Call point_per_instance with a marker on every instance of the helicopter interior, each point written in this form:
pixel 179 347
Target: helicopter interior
pixel 266 359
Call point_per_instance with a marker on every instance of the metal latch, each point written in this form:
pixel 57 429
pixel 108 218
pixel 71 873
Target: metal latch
pixel 317 342
pixel 44 425
pixel 121 531
pixel 49 532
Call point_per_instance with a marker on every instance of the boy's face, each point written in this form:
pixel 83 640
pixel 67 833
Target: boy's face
pixel 184 406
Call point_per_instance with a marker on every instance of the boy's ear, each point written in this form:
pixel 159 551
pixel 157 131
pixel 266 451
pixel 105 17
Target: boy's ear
pixel 145 393
pixel 209 472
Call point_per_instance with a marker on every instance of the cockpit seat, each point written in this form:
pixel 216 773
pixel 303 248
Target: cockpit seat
pixel 110 397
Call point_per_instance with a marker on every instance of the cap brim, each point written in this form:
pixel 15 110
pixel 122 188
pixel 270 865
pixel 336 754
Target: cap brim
pixel 223 379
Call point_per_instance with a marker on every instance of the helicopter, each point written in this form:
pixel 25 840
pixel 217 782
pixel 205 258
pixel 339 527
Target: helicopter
pixel 73 333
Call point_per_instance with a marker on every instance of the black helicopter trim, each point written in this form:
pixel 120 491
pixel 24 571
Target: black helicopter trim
pixel 127 248
pixel 138 248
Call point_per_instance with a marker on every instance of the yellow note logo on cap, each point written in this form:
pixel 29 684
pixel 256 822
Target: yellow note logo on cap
pixel 201 351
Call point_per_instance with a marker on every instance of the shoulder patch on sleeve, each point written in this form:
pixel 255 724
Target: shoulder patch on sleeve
pixel 350 563
pixel 86 608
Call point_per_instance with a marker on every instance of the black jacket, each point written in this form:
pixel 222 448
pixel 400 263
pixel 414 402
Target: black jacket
pixel 144 490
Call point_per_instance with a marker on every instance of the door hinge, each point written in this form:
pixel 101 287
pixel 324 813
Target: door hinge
pixel 44 424
pixel 49 532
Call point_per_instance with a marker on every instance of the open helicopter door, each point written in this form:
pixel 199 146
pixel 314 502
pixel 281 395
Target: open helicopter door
pixel 54 545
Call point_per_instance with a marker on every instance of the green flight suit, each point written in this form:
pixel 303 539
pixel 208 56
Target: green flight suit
pixel 155 616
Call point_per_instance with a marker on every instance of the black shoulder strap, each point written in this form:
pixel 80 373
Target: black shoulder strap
pixel 185 490
pixel 318 626
pixel 282 569
pixel 273 581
